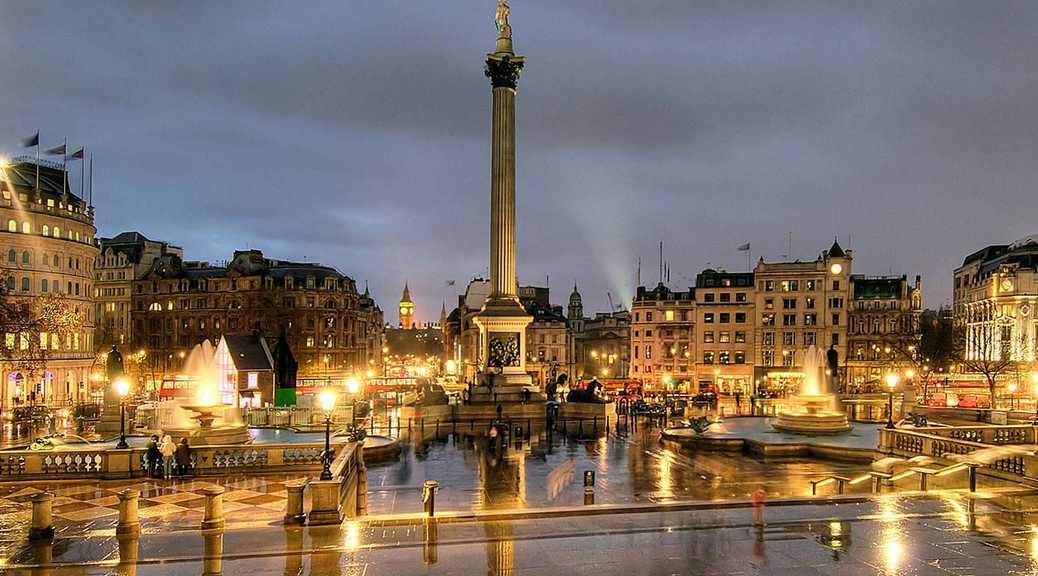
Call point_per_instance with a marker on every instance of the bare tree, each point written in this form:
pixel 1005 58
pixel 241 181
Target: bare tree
pixel 991 358
pixel 32 326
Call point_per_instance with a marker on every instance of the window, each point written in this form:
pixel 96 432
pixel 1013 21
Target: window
pixel 648 351
pixel 810 285
pixel 56 261
pixel 46 230
pixel 723 357
pixel 810 319
pixel 57 232
pixel 740 317
pixel 767 319
pixel 740 357
pixel 43 285
pixel 708 297
pixel 768 358
pixel 12 226
pixel 809 303
pixel 789 286
pixel 769 303
pixel 708 337
pixel 25 283
pixel 12 256
pixel 155 307
pixel 10 282
pixel 26 228
pixel 740 337
pixel 836 320
pixel 648 316
pixel 809 338
pixel 668 315
pixel 708 357
pixel 726 297
pixel 789 303
pixel 309 341
pixel 740 296
pixel 787 358
pixel 708 318
pixel 54 286
pixel 836 285
pixel 648 333
pixel 789 338
pixel 635 351
pixel 789 319
pixel 836 302
pixel 725 337
pixel 836 339
pixel 769 285
pixel 725 317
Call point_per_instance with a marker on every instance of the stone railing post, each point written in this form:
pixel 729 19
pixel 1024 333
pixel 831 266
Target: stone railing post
pixel 294 513
pixel 325 508
pixel 213 518
pixel 129 520
pixel 42 527
pixel 362 481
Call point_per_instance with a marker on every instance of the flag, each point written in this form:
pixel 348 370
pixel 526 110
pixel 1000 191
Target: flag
pixel 31 141
pixel 744 247
pixel 450 282
pixel 77 155
pixel 55 151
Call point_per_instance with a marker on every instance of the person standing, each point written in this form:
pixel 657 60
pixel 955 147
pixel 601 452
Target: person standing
pixel 153 455
pixel 168 449
pixel 183 457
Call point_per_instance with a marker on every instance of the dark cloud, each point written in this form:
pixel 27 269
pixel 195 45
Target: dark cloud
pixel 356 133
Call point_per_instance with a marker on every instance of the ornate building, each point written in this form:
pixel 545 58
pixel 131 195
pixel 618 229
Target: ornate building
pixel 883 325
pixel 48 249
pixel 406 309
pixel 799 304
pixel 122 259
pixel 995 294
pixel 330 328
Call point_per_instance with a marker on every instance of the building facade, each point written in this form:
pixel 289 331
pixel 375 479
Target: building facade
pixel 995 294
pixel 177 304
pixel 122 259
pixel 724 315
pixel 663 343
pixel 883 326
pixel 601 344
pixel 48 249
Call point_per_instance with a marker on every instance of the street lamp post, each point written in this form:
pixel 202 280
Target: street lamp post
pixel 327 398
pixel 1012 395
pixel 122 387
pixel 892 380
pixel 1034 379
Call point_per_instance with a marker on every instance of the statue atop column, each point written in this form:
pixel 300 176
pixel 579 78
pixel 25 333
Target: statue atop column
pixel 501 19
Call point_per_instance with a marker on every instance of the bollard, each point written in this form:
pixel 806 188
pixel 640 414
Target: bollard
pixel 922 481
pixel 129 520
pixel 42 516
pixel 294 503
pixel 129 551
pixel 437 428
pixel 429 496
pixel 589 487
pixel 973 477
pixel 213 518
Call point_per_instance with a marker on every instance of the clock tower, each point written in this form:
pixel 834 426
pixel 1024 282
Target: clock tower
pixel 406 309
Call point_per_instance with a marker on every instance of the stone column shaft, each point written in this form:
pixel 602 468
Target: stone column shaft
pixel 502 194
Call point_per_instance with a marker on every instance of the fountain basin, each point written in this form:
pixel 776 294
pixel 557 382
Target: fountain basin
pixel 815 416
pixel 206 434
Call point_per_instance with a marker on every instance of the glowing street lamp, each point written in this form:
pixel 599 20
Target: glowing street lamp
pixel 892 380
pixel 122 388
pixel 327 400
pixel 1012 395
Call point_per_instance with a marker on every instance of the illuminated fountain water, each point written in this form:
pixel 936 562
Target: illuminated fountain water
pixel 206 419
pixel 815 409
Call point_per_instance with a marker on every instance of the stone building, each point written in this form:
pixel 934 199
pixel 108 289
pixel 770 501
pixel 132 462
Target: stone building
pixel 123 258
pixel 883 326
pixel 329 327
pixel 995 294
pixel 724 315
pixel 406 310
pixel 48 249
pixel 663 343
pixel 799 304
pixel 601 344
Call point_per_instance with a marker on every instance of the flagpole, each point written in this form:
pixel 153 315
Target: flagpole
pixel 64 166
pixel 90 202
pixel 82 174
pixel 37 161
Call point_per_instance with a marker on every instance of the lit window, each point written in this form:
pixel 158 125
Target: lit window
pixel 46 230
pixel 253 380
pixel 669 315
pixel 57 232
pixel 26 228
pixel 12 226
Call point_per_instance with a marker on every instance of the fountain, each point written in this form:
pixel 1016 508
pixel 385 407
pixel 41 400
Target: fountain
pixel 815 408
pixel 199 429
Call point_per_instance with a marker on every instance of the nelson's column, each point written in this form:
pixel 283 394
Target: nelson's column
pixel 502 321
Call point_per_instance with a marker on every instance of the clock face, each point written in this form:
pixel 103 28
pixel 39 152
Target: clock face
pixel 1007 285
pixel 836 268
pixel 405 310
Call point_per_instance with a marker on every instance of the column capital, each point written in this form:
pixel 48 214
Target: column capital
pixel 503 70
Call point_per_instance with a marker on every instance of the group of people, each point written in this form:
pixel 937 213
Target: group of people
pixel 165 458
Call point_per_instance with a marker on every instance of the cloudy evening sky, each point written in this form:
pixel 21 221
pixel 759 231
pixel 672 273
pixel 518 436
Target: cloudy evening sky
pixel 357 133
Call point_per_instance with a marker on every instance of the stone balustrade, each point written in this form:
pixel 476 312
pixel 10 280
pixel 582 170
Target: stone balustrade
pixel 346 494
pixel 110 463
pixel 941 443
